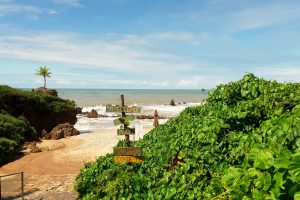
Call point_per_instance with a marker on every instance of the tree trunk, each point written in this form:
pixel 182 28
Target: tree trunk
pixel 44 81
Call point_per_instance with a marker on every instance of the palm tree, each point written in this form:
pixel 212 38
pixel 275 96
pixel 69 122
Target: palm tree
pixel 43 71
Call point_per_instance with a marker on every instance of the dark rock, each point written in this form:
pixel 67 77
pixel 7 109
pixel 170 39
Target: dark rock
pixel 78 110
pixel 102 116
pixel 61 131
pixel 172 103
pixel 148 117
pixel 43 90
pixel 92 114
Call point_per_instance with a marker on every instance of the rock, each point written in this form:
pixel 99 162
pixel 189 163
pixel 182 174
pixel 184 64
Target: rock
pixel 43 113
pixel 35 149
pixel 172 103
pixel 92 114
pixel 61 131
pixel 44 133
pixel 155 120
pixel 78 110
pixel 31 147
pixel 43 90
pixel 148 117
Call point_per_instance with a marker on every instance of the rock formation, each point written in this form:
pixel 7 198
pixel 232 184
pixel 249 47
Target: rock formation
pixel 92 114
pixel 61 131
pixel 43 90
pixel 42 111
pixel 172 103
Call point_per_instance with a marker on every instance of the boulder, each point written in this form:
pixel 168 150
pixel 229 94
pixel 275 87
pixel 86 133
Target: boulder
pixel 61 131
pixel 43 90
pixel 172 103
pixel 92 114
pixel 149 117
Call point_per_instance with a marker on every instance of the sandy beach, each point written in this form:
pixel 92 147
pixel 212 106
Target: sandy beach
pixel 50 174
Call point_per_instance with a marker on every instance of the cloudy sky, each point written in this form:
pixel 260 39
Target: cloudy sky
pixel 148 43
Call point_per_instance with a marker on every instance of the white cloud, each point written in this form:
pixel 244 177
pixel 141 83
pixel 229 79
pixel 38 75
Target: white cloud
pixel 78 51
pixel 68 2
pixel 280 72
pixel 263 16
pixel 154 38
pixel 195 81
pixel 9 8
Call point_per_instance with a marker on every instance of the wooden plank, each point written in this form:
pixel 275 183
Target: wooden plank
pixel 121 120
pixel 127 151
pixel 119 109
pixel 128 159
pixel 126 131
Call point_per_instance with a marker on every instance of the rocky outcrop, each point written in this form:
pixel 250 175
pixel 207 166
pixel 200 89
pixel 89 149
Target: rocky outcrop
pixel 43 90
pixel 42 111
pixel 172 103
pixel 148 117
pixel 92 114
pixel 61 131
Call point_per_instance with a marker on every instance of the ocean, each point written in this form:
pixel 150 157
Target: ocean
pixel 148 99
pixel 93 97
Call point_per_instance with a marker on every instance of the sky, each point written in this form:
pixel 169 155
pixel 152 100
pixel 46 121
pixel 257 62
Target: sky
pixel 164 44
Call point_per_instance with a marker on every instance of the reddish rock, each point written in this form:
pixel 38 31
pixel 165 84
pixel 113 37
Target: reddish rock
pixel 43 90
pixel 92 114
pixel 155 121
pixel 61 131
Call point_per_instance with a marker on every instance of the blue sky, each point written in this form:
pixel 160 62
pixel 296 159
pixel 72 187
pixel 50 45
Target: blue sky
pixel 148 43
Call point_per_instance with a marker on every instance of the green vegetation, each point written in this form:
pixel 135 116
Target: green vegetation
pixel 28 101
pixel 44 72
pixel 13 132
pixel 23 114
pixel 244 143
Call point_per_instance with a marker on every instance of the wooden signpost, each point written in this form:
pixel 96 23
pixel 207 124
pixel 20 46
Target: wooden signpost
pixel 128 159
pixel 127 151
pixel 125 154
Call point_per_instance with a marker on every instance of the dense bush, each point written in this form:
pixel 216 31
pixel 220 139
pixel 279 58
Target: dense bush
pixel 22 110
pixel 244 143
pixel 37 101
pixel 13 132
pixel 7 149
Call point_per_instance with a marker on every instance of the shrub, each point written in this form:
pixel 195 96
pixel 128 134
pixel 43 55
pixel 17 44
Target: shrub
pixel 7 149
pixel 244 143
pixel 13 132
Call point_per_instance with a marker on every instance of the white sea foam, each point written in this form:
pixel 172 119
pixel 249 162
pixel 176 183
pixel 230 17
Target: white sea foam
pixel 85 125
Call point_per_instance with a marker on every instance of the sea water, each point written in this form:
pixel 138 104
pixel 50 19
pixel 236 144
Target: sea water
pixel 148 99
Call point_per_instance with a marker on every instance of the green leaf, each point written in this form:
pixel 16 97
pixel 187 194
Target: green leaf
pixel 294 168
pixel 297 196
pixel 263 159
pixel 231 177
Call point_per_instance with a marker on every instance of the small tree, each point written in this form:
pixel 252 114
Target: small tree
pixel 45 72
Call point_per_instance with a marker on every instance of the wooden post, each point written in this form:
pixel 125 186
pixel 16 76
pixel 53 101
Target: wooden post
pixel 0 187
pixel 127 140
pixel 22 185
